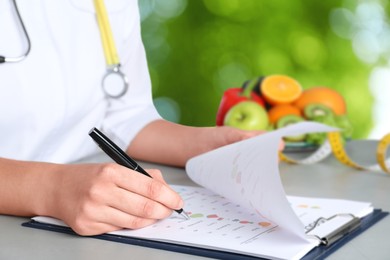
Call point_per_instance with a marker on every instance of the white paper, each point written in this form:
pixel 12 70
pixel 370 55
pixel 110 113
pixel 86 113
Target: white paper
pixel 247 173
pixel 243 207
pixel 217 223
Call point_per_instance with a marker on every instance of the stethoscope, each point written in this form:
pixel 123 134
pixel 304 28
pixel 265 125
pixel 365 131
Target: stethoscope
pixel 4 59
pixel 114 81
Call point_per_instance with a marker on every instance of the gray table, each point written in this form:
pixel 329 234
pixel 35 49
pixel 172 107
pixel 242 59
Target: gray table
pixel 325 179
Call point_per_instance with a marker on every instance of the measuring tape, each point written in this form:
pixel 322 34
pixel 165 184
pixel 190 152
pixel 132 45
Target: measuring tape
pixel 334 144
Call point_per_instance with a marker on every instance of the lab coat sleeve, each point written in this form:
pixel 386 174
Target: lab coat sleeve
pixel 127 116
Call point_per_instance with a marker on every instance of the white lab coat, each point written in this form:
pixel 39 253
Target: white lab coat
pixel 50 100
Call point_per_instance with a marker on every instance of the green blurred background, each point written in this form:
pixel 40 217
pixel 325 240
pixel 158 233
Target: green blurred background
pixel 198 48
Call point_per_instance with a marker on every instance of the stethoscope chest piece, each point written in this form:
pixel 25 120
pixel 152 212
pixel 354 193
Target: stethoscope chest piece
pixel 115 83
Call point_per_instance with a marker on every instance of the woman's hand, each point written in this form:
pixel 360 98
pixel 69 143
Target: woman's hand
pixel 95 199
pixel 98 198
pixel 224 135
pixel 91 198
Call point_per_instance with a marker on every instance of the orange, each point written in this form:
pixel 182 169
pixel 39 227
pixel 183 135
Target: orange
pixel 280 89
pixel 279 111
pixel 325 96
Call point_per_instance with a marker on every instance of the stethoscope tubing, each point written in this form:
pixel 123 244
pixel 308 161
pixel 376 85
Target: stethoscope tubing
pixel 4 59
pixel 109 49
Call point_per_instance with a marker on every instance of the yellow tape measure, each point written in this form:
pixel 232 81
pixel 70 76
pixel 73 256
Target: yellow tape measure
pixel 334 145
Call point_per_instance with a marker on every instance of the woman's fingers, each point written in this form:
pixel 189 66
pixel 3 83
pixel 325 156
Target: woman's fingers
pixel 150 188
pixel 107 219
pixel 157 175
pixel 99 198
pixel 137 205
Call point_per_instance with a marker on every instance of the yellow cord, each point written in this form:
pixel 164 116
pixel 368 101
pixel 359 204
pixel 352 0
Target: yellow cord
pixel 106 35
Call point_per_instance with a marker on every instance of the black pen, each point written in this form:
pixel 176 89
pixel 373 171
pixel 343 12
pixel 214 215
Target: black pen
pixel 120 157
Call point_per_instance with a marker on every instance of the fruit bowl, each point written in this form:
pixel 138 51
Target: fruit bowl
pixel 275 101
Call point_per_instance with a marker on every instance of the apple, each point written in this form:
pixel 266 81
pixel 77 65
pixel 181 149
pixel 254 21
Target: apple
pixel 247 115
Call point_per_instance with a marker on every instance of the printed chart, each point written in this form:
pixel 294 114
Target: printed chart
pixel 213 214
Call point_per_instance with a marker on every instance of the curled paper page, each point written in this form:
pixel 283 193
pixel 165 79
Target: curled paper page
pixel 247 173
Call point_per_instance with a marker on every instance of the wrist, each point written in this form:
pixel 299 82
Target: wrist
pixel 47 185
pixel 26 188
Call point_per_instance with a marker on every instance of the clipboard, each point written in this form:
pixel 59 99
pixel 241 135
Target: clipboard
pixel 335 240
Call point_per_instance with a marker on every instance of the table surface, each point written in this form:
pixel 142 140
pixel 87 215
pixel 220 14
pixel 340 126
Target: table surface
pixel 327 179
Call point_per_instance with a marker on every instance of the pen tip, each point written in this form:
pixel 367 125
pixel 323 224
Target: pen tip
pixel 185 215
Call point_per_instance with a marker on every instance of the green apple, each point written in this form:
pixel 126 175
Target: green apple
pixel 247 115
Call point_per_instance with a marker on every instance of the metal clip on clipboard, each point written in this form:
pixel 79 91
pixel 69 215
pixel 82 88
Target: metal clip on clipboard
pixel 329 230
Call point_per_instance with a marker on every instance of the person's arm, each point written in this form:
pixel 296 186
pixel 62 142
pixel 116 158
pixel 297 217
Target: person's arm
pixel 90 198
pixel 173 144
